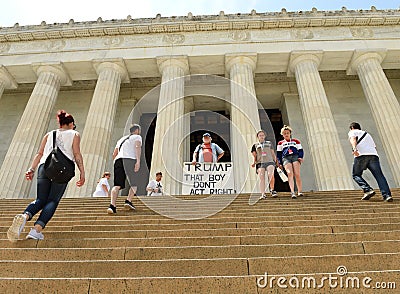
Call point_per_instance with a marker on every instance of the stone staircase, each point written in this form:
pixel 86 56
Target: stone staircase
pixel 242 249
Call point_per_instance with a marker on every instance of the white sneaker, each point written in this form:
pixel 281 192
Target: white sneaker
pixel 263 196
pixel 33 234
pixel 16 228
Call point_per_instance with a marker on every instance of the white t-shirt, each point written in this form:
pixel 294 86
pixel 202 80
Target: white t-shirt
pixel 64 139
pixel 367 145
pixel 99 188
pixel 153 184
pixel 128 149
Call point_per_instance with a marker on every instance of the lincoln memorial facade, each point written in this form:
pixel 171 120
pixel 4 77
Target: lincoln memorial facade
pixel 178 77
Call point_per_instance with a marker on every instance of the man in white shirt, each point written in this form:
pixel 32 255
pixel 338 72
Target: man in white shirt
pixel 126 157
pixel 155 188
pixel 366 157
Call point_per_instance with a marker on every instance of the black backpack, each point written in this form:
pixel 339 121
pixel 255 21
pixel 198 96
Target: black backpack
pixel 58 167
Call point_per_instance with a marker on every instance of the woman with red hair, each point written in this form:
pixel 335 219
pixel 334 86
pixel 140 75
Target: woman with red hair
pixel 49 193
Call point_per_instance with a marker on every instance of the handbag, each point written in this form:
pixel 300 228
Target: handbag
pixel 362 137
pixel 58 167
pixel 127 138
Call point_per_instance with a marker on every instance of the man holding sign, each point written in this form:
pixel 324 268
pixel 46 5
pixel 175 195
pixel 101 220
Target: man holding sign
pixel 207 152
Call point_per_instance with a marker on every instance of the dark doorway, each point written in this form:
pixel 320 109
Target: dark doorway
pixel 148 124
pixel 216 123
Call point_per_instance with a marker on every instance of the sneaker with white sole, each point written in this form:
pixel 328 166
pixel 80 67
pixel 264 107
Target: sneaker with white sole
pixel 129 205
pixel 274 194
pixel 388 199
pixel 16 228
pixel 368 195
pixel 293 195
pixel 263 197
pixel 111 209
pixel 33 234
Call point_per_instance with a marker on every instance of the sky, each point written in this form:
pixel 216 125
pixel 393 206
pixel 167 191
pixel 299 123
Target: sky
pixel 33 12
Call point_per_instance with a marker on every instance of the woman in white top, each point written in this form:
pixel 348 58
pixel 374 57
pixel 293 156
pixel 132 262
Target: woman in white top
pixel 49 193
pixel 103 187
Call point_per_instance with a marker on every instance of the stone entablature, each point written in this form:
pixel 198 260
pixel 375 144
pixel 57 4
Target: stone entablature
pixel 190 23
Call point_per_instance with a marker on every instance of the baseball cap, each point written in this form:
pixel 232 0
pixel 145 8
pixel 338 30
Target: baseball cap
pixel 206 135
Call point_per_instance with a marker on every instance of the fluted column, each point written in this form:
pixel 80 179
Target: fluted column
pixel 169 127
pixel 2 87
pixel 330 168
pixel 189 107
pixel 6 80
pixel 244 117
pixel 31 129
pixel 385 107
pixel 95 145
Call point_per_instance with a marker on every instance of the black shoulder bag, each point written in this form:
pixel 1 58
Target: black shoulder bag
pixel 362 137
pixel 58 167
pixel 127 138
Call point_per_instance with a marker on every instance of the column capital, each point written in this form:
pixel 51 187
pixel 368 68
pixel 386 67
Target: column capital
pixel 117 64
pixel 56 68
pixel 180 61
pixel 241 58
pixel 297 57
pixel 361 55
pixel 7 78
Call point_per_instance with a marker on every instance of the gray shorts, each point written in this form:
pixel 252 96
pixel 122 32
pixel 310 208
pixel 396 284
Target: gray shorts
pixel 264 165
pixel 290 159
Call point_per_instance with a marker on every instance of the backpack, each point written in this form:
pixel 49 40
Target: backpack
pixel 58 167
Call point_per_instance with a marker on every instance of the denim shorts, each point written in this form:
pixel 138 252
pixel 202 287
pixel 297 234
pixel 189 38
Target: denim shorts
pixel 290 159
pixel 264 164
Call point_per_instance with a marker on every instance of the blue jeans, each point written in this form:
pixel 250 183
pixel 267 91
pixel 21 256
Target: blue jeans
pixel 370 162
pixel 48 196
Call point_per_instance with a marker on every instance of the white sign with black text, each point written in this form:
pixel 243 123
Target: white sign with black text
pixel 208 178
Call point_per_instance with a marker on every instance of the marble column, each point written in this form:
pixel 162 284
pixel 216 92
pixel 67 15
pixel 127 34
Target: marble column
pixel 96 136
pixel 189 108
pixel 6 80
pixel 330 167
pixel 385 107
pixel 31 129
pixel 167 154
pixel 245 120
